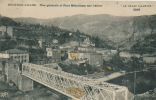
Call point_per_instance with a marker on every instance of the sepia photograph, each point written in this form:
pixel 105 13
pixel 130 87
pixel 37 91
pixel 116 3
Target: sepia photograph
pixel 77 50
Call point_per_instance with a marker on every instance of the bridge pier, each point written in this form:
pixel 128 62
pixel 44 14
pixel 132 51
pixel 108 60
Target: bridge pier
pixel 25 84
pixel 12 73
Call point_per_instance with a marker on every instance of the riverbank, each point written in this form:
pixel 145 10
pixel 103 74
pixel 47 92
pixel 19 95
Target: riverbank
pixel 149 95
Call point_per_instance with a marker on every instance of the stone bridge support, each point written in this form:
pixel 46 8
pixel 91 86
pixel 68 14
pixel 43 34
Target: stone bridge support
pixel 25 84
pixel 13 74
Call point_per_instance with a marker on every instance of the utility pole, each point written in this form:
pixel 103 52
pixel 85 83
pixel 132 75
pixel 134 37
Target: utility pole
pixel 134 83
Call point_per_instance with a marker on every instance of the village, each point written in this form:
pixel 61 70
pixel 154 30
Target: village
pixel 75 56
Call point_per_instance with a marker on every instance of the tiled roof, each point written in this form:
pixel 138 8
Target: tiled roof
pixel 13 51
pixel 66 44
pixel 43 40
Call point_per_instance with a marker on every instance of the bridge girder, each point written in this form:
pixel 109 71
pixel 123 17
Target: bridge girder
pixel 74 86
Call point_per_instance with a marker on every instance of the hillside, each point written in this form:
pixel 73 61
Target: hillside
pixel 92 25
pixel 147 45
pixel 119 31
pixel 36 31
pixel 7 21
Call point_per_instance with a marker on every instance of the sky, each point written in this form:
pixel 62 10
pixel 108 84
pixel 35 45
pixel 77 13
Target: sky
pixel 62 9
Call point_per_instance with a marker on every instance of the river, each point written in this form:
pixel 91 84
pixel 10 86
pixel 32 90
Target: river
pixel 144 81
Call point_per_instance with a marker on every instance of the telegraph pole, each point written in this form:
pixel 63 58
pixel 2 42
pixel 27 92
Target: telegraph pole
pixel 134 83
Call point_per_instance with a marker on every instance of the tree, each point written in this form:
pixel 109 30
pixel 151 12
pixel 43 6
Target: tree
pixel 117 62
pixel 77 31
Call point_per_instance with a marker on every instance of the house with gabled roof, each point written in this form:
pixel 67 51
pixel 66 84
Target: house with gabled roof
pixel 15 54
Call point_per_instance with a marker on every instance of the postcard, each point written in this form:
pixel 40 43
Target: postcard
pixel 77 50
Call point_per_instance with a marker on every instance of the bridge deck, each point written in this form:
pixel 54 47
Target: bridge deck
pixel 77 87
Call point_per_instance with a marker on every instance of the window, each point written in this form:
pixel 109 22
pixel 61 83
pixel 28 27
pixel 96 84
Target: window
pixel 14 66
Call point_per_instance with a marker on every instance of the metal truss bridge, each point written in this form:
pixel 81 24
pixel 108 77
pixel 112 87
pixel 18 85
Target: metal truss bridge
pixel 74 86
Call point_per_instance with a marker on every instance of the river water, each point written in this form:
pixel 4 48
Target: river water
pixel 144 81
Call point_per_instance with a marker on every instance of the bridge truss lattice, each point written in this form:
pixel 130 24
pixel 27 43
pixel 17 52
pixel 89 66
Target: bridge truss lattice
pixel 74 86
